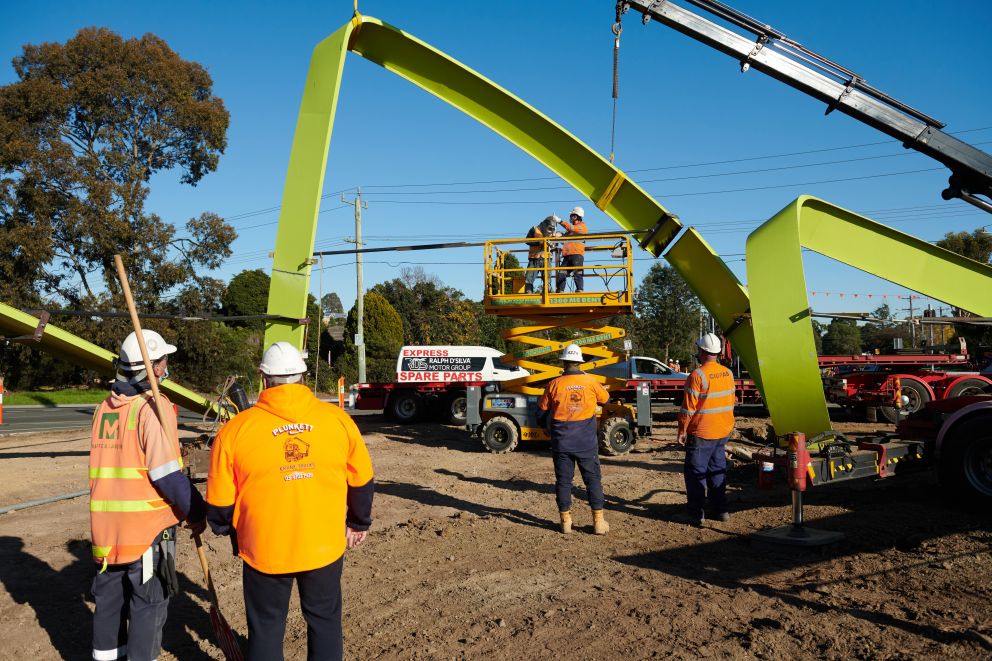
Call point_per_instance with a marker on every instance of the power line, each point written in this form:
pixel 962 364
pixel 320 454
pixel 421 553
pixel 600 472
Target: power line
pixel 271 209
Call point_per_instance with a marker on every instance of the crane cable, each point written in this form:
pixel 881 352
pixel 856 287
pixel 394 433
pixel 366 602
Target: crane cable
pixel 617 29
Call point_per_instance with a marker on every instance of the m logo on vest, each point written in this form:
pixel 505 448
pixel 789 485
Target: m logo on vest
pixel 109 423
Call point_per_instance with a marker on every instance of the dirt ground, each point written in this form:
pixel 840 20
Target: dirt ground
pixel 464 561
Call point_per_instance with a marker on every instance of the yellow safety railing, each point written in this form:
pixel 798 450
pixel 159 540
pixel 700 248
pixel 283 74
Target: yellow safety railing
pixel 529 284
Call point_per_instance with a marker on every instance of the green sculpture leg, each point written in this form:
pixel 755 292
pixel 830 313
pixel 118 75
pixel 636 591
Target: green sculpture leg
pixel 783 331
pixel 291 263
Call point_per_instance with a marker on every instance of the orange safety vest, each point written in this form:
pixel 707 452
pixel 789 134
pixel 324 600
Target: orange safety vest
pixel 575 247
pixel 126 511
pixel 708 402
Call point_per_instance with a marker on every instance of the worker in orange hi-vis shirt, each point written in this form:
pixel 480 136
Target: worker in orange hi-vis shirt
pixel 138 495
pixel 573 253
pixel 706 420
pixel 568 406
pixel 291 482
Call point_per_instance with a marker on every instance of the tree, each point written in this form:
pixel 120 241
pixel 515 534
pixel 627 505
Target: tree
pixel 977 245
pixel 667 314
pixel 331 304
pixel 82 131
pixel 882 333
pixel 247 294
pixel 431 313
pixel 818 330
pixel 843 338
pixel 383 331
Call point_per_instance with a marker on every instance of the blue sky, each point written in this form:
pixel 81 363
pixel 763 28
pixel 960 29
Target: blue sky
pixel 689 122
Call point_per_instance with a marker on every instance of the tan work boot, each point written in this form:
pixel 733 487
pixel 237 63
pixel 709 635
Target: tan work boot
pixel 566 522
pixel 599 524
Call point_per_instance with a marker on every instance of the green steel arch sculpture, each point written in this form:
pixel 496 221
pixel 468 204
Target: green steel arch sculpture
pixel 770 329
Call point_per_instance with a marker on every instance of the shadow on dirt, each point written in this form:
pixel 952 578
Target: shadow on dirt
pixel 637 507
pixel 738 562
pixel 426 496
pixel 59 598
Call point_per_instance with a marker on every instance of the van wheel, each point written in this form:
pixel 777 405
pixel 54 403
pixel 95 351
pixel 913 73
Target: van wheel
pixel 455 410
pixel 405 407
pixel 500 435
pixel 615 436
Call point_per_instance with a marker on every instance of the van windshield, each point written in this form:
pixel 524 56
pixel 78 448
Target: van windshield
pixel 498 364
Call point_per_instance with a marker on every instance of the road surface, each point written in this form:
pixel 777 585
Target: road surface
pixel 21 419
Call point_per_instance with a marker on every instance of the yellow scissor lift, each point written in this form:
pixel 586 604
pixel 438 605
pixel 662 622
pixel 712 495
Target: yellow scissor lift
pixel 505 416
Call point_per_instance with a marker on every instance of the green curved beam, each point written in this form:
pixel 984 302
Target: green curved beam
pixel 787 373
pixel 783 332
pixel 564 154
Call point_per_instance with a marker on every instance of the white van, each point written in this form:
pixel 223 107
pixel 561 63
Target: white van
pixel 448 364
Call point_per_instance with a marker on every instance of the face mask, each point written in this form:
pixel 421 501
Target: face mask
pixel 164 376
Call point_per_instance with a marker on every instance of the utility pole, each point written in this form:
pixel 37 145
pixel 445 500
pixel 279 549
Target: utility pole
pixel 912 323
pixel 359 204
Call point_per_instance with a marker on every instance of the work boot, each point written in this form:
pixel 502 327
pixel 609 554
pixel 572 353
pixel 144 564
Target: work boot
pixel 599 524
pixel 566 522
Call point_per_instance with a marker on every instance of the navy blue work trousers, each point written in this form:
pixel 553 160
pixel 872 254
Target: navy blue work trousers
pixel 706 475
pixel 129 614
pixel 591 474
pixel 267 606
pixel 567 268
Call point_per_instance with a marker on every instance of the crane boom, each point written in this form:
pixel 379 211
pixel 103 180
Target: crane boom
pixel 788 61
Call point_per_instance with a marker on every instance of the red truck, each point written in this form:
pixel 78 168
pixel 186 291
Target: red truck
pixel 898 385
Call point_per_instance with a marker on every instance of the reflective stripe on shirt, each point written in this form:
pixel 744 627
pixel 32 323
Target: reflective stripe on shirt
pixel 159 472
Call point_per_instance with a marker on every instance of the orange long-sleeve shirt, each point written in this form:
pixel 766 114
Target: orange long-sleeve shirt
pixel 708 402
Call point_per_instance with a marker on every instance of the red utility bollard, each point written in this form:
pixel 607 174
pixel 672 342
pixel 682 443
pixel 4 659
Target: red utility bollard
pixel 799 461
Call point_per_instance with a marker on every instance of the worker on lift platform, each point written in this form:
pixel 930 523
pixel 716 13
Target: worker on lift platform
pixel 536 252
pixel 573 252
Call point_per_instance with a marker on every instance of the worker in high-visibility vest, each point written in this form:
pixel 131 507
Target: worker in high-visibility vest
pixel 573 252
pixel 291 481
pixel 568 407
pixel 537 251
pixel 138 494
pixel 706 420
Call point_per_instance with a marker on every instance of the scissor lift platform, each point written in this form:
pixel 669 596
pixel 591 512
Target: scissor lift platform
pixel 609 284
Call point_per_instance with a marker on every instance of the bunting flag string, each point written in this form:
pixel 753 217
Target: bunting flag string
pixel 841 294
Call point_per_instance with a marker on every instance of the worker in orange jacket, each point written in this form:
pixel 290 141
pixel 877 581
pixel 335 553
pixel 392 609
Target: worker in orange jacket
pixel 568 407
pixel 573 252
pixel 706 420
pixel 291 481
pixel 138 495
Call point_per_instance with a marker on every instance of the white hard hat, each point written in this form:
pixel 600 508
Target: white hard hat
pixel 572 353
pixel 282 359
pixel 155 343
pixel 710 343
pixel 578 211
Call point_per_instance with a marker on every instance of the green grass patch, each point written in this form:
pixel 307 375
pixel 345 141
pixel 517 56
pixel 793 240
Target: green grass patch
pixel 56 397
